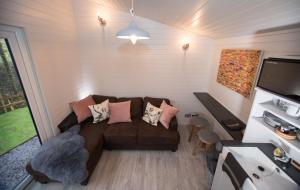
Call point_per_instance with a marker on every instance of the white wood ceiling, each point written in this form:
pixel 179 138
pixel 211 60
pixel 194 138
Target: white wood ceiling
pixel 216 18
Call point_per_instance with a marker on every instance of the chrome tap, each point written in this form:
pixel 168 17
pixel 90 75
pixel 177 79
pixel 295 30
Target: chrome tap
pixel 284 158
pixel 281 153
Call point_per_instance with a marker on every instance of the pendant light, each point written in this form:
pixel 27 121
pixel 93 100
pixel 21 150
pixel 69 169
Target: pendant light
pixel 133 32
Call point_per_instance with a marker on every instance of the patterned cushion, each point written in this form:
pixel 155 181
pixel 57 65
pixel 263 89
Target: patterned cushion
pixel 154 101
pixel 100 112
pixel 152 114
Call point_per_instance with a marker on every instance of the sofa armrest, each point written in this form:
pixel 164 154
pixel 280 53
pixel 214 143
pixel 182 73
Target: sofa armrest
pixel 68 122
pixel 173 124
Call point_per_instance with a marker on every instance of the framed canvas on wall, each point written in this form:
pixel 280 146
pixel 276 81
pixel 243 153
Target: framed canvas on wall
pixel 238 68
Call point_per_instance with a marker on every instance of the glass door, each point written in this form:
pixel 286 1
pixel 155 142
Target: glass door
pixel 19 139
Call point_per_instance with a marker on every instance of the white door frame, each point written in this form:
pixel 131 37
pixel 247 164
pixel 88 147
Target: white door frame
pixel 24 62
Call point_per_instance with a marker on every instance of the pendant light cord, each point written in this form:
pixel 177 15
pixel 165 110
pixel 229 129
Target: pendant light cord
pixel 131 10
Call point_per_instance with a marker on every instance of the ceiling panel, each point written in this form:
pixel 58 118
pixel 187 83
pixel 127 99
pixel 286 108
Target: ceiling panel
pixel 216 18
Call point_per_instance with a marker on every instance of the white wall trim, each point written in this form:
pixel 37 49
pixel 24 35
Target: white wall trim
pixel 22 55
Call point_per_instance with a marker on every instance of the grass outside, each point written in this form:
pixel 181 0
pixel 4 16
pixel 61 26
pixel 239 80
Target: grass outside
pixel 16 127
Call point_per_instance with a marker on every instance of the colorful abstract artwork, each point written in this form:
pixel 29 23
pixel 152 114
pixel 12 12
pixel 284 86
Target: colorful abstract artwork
pixel 238 68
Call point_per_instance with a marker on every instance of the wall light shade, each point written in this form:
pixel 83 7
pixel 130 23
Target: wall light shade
pixel 133 32
pixel 102 21
pixel 185 46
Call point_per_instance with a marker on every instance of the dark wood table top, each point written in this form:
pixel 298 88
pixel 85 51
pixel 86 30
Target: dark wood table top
pixel 221 114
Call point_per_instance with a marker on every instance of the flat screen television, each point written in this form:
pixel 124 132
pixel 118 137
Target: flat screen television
pixel 282 77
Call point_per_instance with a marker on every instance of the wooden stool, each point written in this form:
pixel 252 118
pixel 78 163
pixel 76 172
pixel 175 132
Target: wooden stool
pixel 207 138
pixel 197 124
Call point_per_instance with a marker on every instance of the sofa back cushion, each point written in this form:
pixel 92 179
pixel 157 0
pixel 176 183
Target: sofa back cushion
pixel 68 122
pixel 136 107
pixel 154 101
pixel 100 98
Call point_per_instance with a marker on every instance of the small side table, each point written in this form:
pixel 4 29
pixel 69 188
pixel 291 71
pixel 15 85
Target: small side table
pixel 197 124
pixel 207 138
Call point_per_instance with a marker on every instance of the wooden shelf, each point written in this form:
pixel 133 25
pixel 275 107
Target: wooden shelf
pixel 269 106
pixel 295 143
pixel 220 114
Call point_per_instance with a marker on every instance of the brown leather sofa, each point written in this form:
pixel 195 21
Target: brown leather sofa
pixel 133 135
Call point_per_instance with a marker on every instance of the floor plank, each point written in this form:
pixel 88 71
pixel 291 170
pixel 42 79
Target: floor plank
pixel 146 170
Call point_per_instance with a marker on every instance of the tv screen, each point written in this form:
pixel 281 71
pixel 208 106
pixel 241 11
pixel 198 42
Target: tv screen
pixel 281 76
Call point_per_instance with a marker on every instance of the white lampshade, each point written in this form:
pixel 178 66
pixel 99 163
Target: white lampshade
pixel 133 32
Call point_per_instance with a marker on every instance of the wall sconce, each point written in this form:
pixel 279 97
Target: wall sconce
pixel 101 20
pixel 185 46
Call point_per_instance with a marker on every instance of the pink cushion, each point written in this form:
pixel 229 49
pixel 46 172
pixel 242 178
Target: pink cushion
pixel 81 108
pixel 168 113
pixel 119 112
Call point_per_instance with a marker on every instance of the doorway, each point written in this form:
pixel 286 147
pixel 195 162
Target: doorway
pixel 19 139
pixel 24 117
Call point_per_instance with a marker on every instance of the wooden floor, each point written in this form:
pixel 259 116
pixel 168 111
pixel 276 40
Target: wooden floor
pixel 146 170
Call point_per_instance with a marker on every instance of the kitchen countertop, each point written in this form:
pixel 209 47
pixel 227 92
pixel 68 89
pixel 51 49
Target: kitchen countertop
pixel 267 149
pixel 220 113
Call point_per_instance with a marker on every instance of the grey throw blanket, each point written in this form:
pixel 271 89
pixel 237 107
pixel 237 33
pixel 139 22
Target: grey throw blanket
pixel 63 157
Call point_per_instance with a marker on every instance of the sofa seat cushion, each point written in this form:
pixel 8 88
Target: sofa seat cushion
pixel 93 134
pixel 149 134
pixel 121 133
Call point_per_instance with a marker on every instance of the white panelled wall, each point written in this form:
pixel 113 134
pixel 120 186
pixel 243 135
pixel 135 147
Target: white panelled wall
pixel 52 37
pixel 274 44
pixel 157 67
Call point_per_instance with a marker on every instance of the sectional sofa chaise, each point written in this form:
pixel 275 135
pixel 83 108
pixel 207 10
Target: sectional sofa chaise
pixel 135 135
